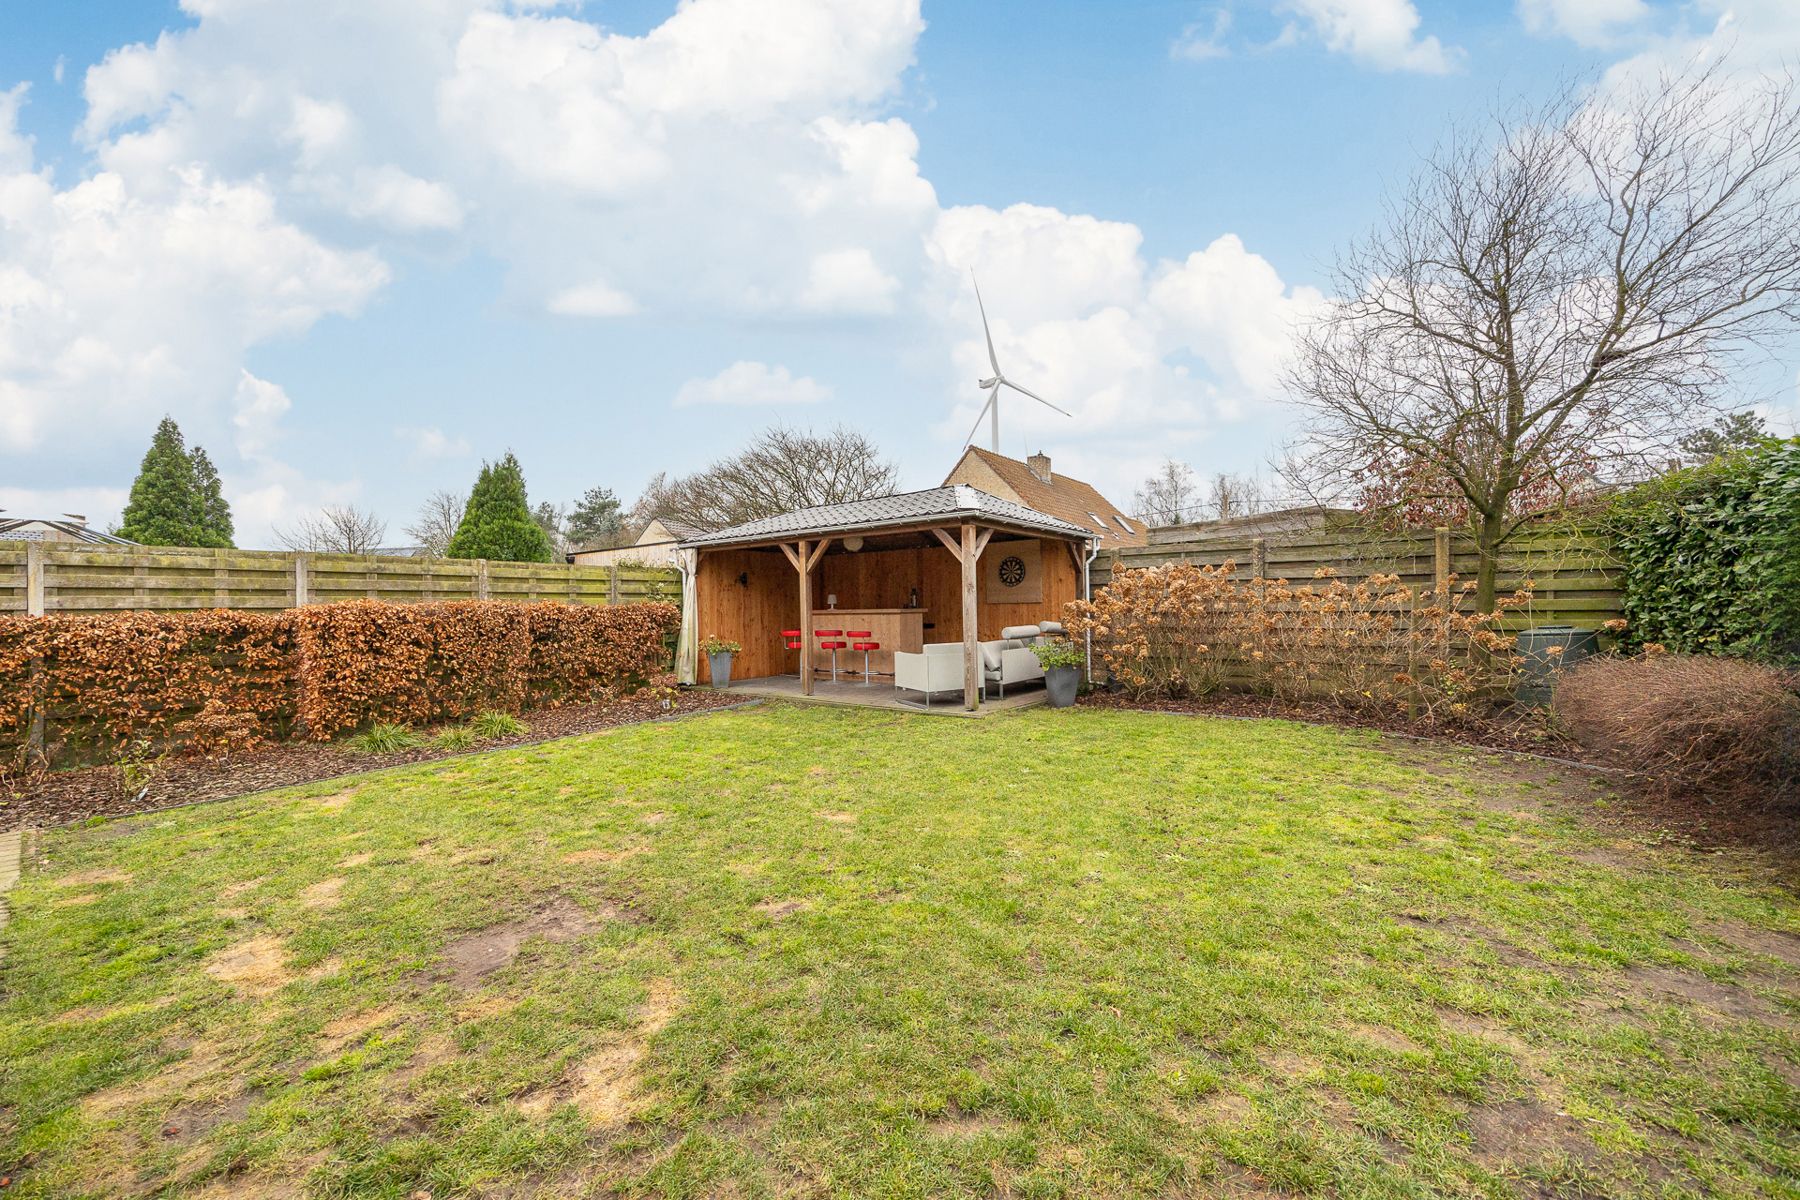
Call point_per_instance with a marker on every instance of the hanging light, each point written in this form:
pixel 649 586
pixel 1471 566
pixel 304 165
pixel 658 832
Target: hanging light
pixel 853 543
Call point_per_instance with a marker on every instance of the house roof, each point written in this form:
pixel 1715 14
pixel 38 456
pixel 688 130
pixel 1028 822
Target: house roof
pixel 956 503
pixel 1064 497
pixel 38 529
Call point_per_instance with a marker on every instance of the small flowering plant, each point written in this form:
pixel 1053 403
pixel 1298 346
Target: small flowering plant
pixel 714 645
pixel 1057 654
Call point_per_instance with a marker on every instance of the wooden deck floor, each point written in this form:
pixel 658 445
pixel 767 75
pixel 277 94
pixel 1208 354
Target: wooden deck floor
pixel 882 695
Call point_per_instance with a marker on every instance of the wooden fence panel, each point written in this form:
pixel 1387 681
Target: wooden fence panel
pixel 1574 577
pixel 98 579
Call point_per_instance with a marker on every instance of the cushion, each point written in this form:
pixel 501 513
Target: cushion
pixel 1050 627
pixel 1019 632
pixel 990 656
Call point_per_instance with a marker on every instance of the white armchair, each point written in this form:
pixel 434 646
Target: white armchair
pixel 1010 660
pixel 939 668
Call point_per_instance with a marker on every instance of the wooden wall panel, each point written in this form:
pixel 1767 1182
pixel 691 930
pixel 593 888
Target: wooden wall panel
pixel 752 615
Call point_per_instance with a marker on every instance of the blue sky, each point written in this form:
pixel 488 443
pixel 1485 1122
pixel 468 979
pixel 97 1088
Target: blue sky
pixel 356 246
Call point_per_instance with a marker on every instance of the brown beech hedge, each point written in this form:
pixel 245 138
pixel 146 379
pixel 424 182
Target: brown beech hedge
pixel 208 681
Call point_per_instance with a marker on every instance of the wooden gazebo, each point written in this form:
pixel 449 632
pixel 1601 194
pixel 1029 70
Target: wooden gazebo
pixel 945 565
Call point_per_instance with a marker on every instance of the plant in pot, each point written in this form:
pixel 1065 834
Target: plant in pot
pixel 718 658
pixel 1062 662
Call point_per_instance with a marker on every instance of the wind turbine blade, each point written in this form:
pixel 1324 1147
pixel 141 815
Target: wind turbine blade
pixel 992 357
pixel 992 392
pixel 1015 387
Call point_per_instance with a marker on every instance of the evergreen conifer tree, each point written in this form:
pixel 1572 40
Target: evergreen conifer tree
pixel 164 509
pixel 215 513
pixel 497 523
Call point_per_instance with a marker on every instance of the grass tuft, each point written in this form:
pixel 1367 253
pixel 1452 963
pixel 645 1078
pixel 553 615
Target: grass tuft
pixel 455 737
pixel 382 738
pixel 496 724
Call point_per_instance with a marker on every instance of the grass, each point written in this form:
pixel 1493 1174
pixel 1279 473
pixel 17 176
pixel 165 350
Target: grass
pixel 810 951
pixel 382 738
pixel 493 724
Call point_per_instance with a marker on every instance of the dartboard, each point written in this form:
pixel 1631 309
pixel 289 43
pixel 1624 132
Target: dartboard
pixel 1012 570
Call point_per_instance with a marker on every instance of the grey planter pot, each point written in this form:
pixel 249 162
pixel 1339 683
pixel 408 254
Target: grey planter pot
pixel 1062 683
pixel 721 670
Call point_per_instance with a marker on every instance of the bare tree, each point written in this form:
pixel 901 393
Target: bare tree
pixel 1168 497
pixel 1234 495
pixel 436 523
pixel 1559 302
pixel 337 529
pixel 783 469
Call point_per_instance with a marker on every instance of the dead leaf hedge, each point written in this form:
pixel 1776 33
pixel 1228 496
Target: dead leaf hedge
pixel 210 682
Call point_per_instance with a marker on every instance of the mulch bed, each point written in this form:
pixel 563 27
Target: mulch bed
pixel 1693 820
pixel 62 797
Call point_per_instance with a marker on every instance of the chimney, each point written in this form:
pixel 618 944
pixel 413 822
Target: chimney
pixel 1039 465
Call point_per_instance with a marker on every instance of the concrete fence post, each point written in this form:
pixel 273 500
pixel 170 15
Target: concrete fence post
pixel 612 583
pixel 300 581
pixel 481 579
pixel 34 579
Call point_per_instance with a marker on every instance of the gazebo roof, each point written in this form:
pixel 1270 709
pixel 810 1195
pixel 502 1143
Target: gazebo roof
pixel 957 503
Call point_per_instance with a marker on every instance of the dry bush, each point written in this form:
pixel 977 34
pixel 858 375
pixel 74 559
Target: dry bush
pixel 1178 631
pixel 1692 726
pixel 1164 631
pixel 108 682
pixel 218 682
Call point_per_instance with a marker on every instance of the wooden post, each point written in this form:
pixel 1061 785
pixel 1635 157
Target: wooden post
pixel 1259 558
pixel 806 636
pixel 1440 569
pixel 34 579
pixel 612 583
pixel 300 583
pixel 971 650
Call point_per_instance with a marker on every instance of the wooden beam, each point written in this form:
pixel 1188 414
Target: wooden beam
pixel 1075 555
pixel 949 543
pixel 817 554
pixel 793 559
pixel 982 541
pixel 971 651
pixel 806 636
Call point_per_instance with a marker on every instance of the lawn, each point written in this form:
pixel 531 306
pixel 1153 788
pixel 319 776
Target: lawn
pixel 786 951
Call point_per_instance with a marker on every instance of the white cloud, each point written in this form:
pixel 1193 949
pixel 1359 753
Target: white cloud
pixel 428 441
pixel 752 383
pixel 1377 33
pixel 119 302
pixel 848 280
pixel 1588 22
pixel 256 413
pixel 595 298
pixel 1202 40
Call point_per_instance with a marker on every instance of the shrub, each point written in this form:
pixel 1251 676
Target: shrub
pixel 1709 558
pixel 1179 631
pixel 221 681
pixel 383 738
pixel 1716 728
pixel 454 737
pixel 493 724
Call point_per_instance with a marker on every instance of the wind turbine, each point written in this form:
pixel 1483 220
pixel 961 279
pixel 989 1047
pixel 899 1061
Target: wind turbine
pixel 992 386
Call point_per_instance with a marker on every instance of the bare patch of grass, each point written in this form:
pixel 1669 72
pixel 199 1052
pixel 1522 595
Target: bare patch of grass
pixel 473 956
pixel 257 967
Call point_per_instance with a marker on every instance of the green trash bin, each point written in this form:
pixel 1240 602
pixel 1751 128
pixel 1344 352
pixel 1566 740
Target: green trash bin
pixel 1547 650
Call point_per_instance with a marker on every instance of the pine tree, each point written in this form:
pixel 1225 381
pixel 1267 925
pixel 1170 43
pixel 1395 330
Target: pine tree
pixel 497 522
pixel 595 520
pixel 165 509
pixel 215 512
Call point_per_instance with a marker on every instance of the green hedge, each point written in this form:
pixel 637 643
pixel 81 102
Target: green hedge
pixel 1712 555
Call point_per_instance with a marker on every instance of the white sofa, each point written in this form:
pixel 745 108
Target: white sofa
pixel 1007 660
pixel 939 668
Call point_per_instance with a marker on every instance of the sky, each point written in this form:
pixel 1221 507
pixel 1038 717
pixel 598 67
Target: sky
pixel 356 247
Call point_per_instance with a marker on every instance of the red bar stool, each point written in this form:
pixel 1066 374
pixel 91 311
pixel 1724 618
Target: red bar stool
pixel 865 646
pixel 833 646
pixel 791 637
